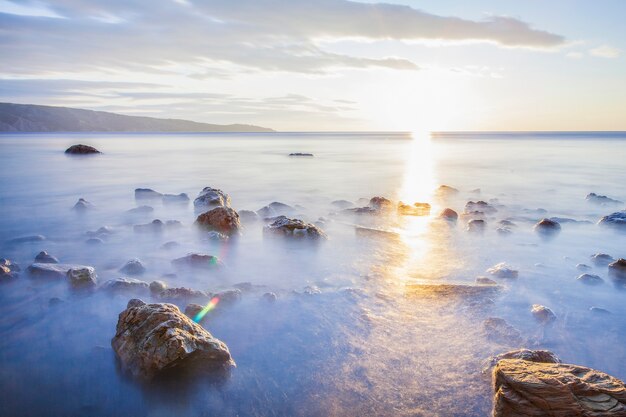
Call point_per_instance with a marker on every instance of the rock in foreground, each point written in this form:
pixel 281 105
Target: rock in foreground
pixel 524 389
pixel 81 150
pixel 151 338
pixel 221 219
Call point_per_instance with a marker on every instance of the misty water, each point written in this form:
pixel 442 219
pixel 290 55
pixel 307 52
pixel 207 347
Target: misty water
pixel 367 343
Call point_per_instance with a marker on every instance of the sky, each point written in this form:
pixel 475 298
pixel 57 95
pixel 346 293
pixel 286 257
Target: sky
pixel 319 65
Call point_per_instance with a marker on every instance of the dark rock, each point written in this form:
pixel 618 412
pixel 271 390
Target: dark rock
pixel 151 338
pixel 617 269
pixel 294 228
pixel 94 241
pixel 275 209
pixel 102 232
pixel 547 227
pixel 82 206
pixel 601 199
pixel 140 210
pixel 126 285
pixel 269 297
pixel 197 260
pixel 55 301
pixel 221 219
pixel 417 209
pixel 602 259
pixel 156 226
pixel 449 214
pixel 28 239
pixel 181 198
pixel 507 223
pixel 192 310
pixel 361 210
pixel 81 150
pixel 543 314
pixel 381 204
pixel 147 194
pixel 133 267
pixel 80 278
pixel 504 231
pixel 301 154
pixel 211 197
pixel 157 286
pixel 616 220
pixel 476 225
pixel 44 258
pixel 480 206
pixel 590 279
pixel 229 296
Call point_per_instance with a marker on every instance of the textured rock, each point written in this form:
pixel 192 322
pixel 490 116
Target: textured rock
pixel 221 219
pixel 502 270
pixel 12 266
pixel 211 197
pixel 126 285
pixel 57 271
pixel 449 214
pixel 381 203
pixel 151 338
pixel 540 356
pixel 617 269
pixel 84 277
pixel 82 206
pixel 524 389
pixel 294 228
pixel 147 194
pixel 192 310
pixel 229 296
pixel 44 257
pixel 197 260
pixel 542 314
pixel 601 199
pixel 616 220
pixel 133 267
pixel 547 227
pixel 6 275
pixel 81 150
pixel 590 279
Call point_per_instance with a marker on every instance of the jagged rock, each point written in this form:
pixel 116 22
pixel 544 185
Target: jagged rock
pixel 81 150
pixel 181 198
pixel 602 259
pixel 543 314
pixel 499 331
pixel 151 338
pixel 524 389
pixel 57 271
pixel 417 209
pixel 300 154
pixel 294 228
pixel 476 225
pixel 82 206
pixel 445 190
pixel 449 214
pixel 485 281
pixel 616 220
pixel 617 269
pixel 155 226
pixel 221 219
pixel 269 297
pixel 583 267
pixel 311 290
pixel 157 286
pixel 547 227
pixel 147 194
pixel 181 294
pixel 197 260
pixel 28 239
pixel 44 258
pixel 211 197
pixel 140 210
pixel 133 267
pixel 381 203
pixel 502 270
pixel 342 204
pixel 248 216
pixel 480 206
pixel 601 199
pixel 275 209
pixel 84 277
pixel 590 279
pixel 123 285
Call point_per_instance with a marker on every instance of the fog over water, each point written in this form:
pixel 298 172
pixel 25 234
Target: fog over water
pixel 371 341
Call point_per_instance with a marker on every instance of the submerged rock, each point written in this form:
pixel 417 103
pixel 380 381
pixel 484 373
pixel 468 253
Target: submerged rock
pixel 547 227
pixel 84 277
pixel 147 194
pixel 155 226
pixel 601 259
pixel 476 225
pixel 197 260
pixel 6 275
pixel 502 270
pixel 124 285
pixel 140 210
pixel 601 199
pixel 275 209
pixel 381 203
pixel 82 206
pixel 599 311
pixel 56 271
pixel 342 204
pixel 228 296
pixel 294 228
pixel 181 198
pixel 417 209
pixel 151 338
pixel 102 232
pixel 181 294
pixel 480 206
pixel 485 281
pixel 220 219
pixel 617 269
pixel 590 279
pixel 616 220
pixel 543 314
pixel 81 150
pixel 540 356
pixel 12 266
pixel 157 286
pixel 449 214
pixel 133 267
pixel 504 231
pixel 28 239
pixel 583 267
pixel 445 190
pixel 93 241
pixel 499 331
pixel 507 223
pixel 524 388
pixel 300 154
pixel 248 216
pixel 211 197
pixel 269 297
pixel 44 257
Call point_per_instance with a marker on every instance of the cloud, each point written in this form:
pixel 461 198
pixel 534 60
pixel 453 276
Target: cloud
pixel 605 51
pixel 574 55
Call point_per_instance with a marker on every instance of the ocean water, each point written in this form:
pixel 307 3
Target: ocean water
pixel 371 341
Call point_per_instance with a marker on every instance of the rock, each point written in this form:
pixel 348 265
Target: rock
pixel 499 331
pixel 543 314
pixel 507 223
pixel 601 199
pixel 583 267
pixel 182 294
pixel 156 226
pixel 192 310
pixel 381 203
pixel 275 209
pixel 539 356
pixel 211 197
pixel 301 154
pixel 445 190
pixel 12 266
pixel 80 278
pixel 44 258
pixel 476 225
pixel 502 270
pixel 221 219
pixel 81 150
pixel 248 216
pixel 480 206
pixel 157 286
pixel 590 279
pixel 213 236
pixel 616 220
pixel 151 338
pixel 547 227
pixel 361 210
pixel 569 220
pixel 524 388
pixel 342 204
pixel 147 194
pixel 617 269
pixel 311 290
pixel 601 259
pixel 197 260
pixel 123 285
pixel 56 271
pixel 6 275
pixel 485 281
pixel 133 267
pixel 28 239
pixel 417 209
pixel 94 241
pixel 140 210
pixel 170 245
pixel 173 224
pixel 270 297
pixel 102 232
pixel 181 198
pixel 82 206
pixel 229 296
pixel 599 311
pixel 449 214
pixel 504 231
pixel 294 228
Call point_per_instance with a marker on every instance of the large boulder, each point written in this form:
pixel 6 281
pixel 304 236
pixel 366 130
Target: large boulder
pixel 221 219
pixel 55 271
pixel 211 197
pixel 133 267
pixel 81 150
pixel 616 220
pixel 294 228
pixel 147 194
pixel 151 338
pixel 81 278
pixel 524 389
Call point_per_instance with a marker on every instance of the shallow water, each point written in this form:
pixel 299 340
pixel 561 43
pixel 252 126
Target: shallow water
pixel 368 344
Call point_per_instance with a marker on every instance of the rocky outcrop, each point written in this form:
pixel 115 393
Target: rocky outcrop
pixel 601 199
pixel 44 257
pixel 147 194
pixel 151 338
pixel 617 269
pixel 82 206
pixel 81 278
pixel 221 219
pixel 524 388
pixel 81 150
pixel 479 206
pixel 449 214
pixel 211 197
pixel 502 270
pixel 590 279
pixel 197 260
pixel 542 314
pixel 547 227
pixel 294 228
pixel 616 220
pixel 540 356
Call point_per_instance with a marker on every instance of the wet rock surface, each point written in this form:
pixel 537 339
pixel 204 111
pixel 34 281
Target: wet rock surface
pixel 44 257
pixel 133 267
pixel 151 338
pixel 81 150
pixel 590 279
pixel 602 259
pixel 53 271
pixel 525 388
pixel 542 314
pixel 616 220
pixel 221 219
pixel 547 227
pixel 211 197
pixel 80 278
pixel 294 228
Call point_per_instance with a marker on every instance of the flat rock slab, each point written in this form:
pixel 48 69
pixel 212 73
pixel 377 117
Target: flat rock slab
pixel 525 389
pixel 44 270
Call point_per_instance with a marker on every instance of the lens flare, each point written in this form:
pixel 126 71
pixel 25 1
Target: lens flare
pixel 210 306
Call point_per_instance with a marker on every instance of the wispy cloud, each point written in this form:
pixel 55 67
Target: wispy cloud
pixel 605 51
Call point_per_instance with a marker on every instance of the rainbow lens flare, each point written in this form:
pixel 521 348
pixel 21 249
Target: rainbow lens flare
pixel 210 306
